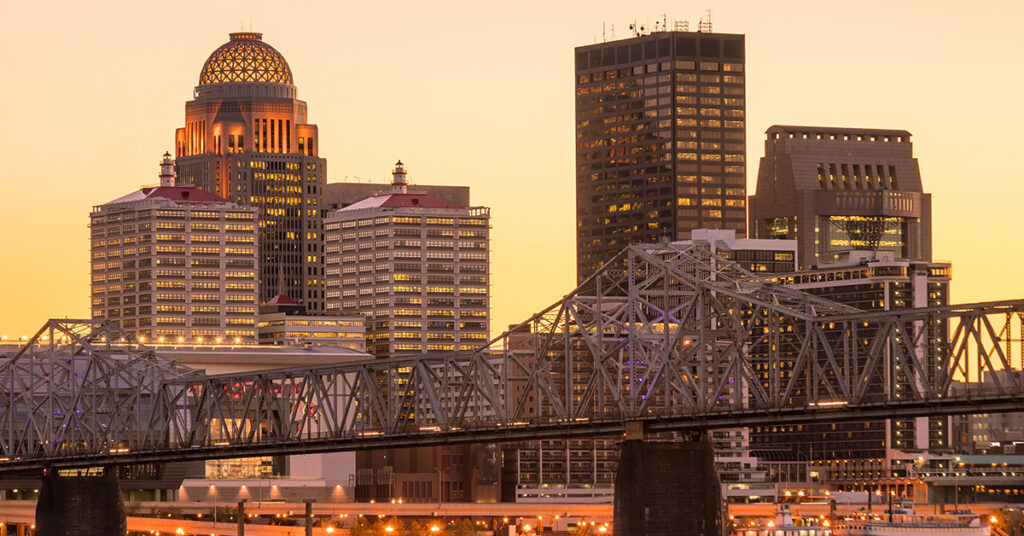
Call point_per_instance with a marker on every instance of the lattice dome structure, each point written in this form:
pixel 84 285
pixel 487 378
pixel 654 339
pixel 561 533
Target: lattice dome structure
pixel 243 59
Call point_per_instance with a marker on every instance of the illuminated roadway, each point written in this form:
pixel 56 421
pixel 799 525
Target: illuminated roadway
pixel 23 512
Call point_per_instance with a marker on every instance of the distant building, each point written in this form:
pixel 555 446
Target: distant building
pixel 416 267
pixel 660 140
pixel 172 263
pixel 284 322
pixel 840 189
pixel 754 255
pixel 247 139
pixel 449 473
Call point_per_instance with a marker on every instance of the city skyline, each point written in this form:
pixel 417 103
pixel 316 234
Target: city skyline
pixel 83 63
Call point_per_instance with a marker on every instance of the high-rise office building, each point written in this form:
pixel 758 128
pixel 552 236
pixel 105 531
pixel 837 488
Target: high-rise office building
pixel 246 138
pixel 853 201
pixel 415 266
pixel 660 141
pixel 175 264
pixel 840 189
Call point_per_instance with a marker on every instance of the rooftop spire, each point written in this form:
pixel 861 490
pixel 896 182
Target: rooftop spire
pixel 167 170
pixel 398 184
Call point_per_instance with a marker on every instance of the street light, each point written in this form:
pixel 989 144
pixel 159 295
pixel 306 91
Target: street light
pixel 389 529
pixel 435 528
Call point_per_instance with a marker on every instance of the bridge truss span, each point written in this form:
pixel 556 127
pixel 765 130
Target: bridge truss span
pixel 673 337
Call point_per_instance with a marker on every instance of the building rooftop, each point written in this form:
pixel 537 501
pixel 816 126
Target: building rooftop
pixel 245 59
pixel 174 193
pixel 399 197
pixel 281 299
pixel 393 200
pixel 835 130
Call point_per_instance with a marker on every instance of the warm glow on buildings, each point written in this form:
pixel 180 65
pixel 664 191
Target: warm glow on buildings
pixel 246 138
pixel 172 263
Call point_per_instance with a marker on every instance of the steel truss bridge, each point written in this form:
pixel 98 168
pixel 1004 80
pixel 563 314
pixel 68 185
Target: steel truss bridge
pixel 672 337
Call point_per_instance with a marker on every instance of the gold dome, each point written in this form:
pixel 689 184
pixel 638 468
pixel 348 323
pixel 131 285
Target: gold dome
pixel 245 58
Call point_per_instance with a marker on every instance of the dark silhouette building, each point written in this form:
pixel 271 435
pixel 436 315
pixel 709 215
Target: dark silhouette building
pixel 660 141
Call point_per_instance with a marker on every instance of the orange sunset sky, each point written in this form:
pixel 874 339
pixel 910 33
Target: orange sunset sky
pixel 481 94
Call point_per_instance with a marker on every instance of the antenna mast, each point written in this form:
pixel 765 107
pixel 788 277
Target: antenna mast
pixel 705 24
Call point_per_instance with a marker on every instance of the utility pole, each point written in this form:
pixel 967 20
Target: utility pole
pixel 241 517
pixel 309 516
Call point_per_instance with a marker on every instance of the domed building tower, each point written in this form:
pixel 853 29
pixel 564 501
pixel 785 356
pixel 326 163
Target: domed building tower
pixel 246 139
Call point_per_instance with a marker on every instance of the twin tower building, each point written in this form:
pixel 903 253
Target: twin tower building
pixel 243 216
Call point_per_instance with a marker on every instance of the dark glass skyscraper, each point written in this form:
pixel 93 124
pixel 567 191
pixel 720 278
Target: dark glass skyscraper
pixel 660 141
pixel 246 139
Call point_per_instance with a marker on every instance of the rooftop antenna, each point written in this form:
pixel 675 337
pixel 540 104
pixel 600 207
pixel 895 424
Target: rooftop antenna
pixel 705 25
pixel 682 25
pixel 664 22
pixel 603 39
pixel 613 31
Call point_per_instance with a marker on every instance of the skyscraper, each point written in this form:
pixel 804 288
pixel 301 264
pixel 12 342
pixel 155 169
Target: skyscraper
pixel 660 141
pixel 415 266
pixel 246 138
pixel 854 202
pixel 175 264
pixel 841 189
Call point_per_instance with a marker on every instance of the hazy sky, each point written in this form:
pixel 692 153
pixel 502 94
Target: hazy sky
pixel 481 94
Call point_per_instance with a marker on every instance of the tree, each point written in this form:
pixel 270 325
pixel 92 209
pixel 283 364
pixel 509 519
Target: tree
pixel 464 527
pixel 380 527
pixel 442 528
pixel 362 527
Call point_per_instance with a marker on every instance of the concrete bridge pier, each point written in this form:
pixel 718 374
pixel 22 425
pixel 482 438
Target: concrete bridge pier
pixel 88 504
pixel 665 488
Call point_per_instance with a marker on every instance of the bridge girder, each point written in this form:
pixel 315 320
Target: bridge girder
pixel 673 336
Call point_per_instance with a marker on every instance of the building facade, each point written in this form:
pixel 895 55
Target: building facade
pixel 247 139
pixel 840 189
pixel 660 141
pixel 416 267
pixel 175 264
pixel 283 322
